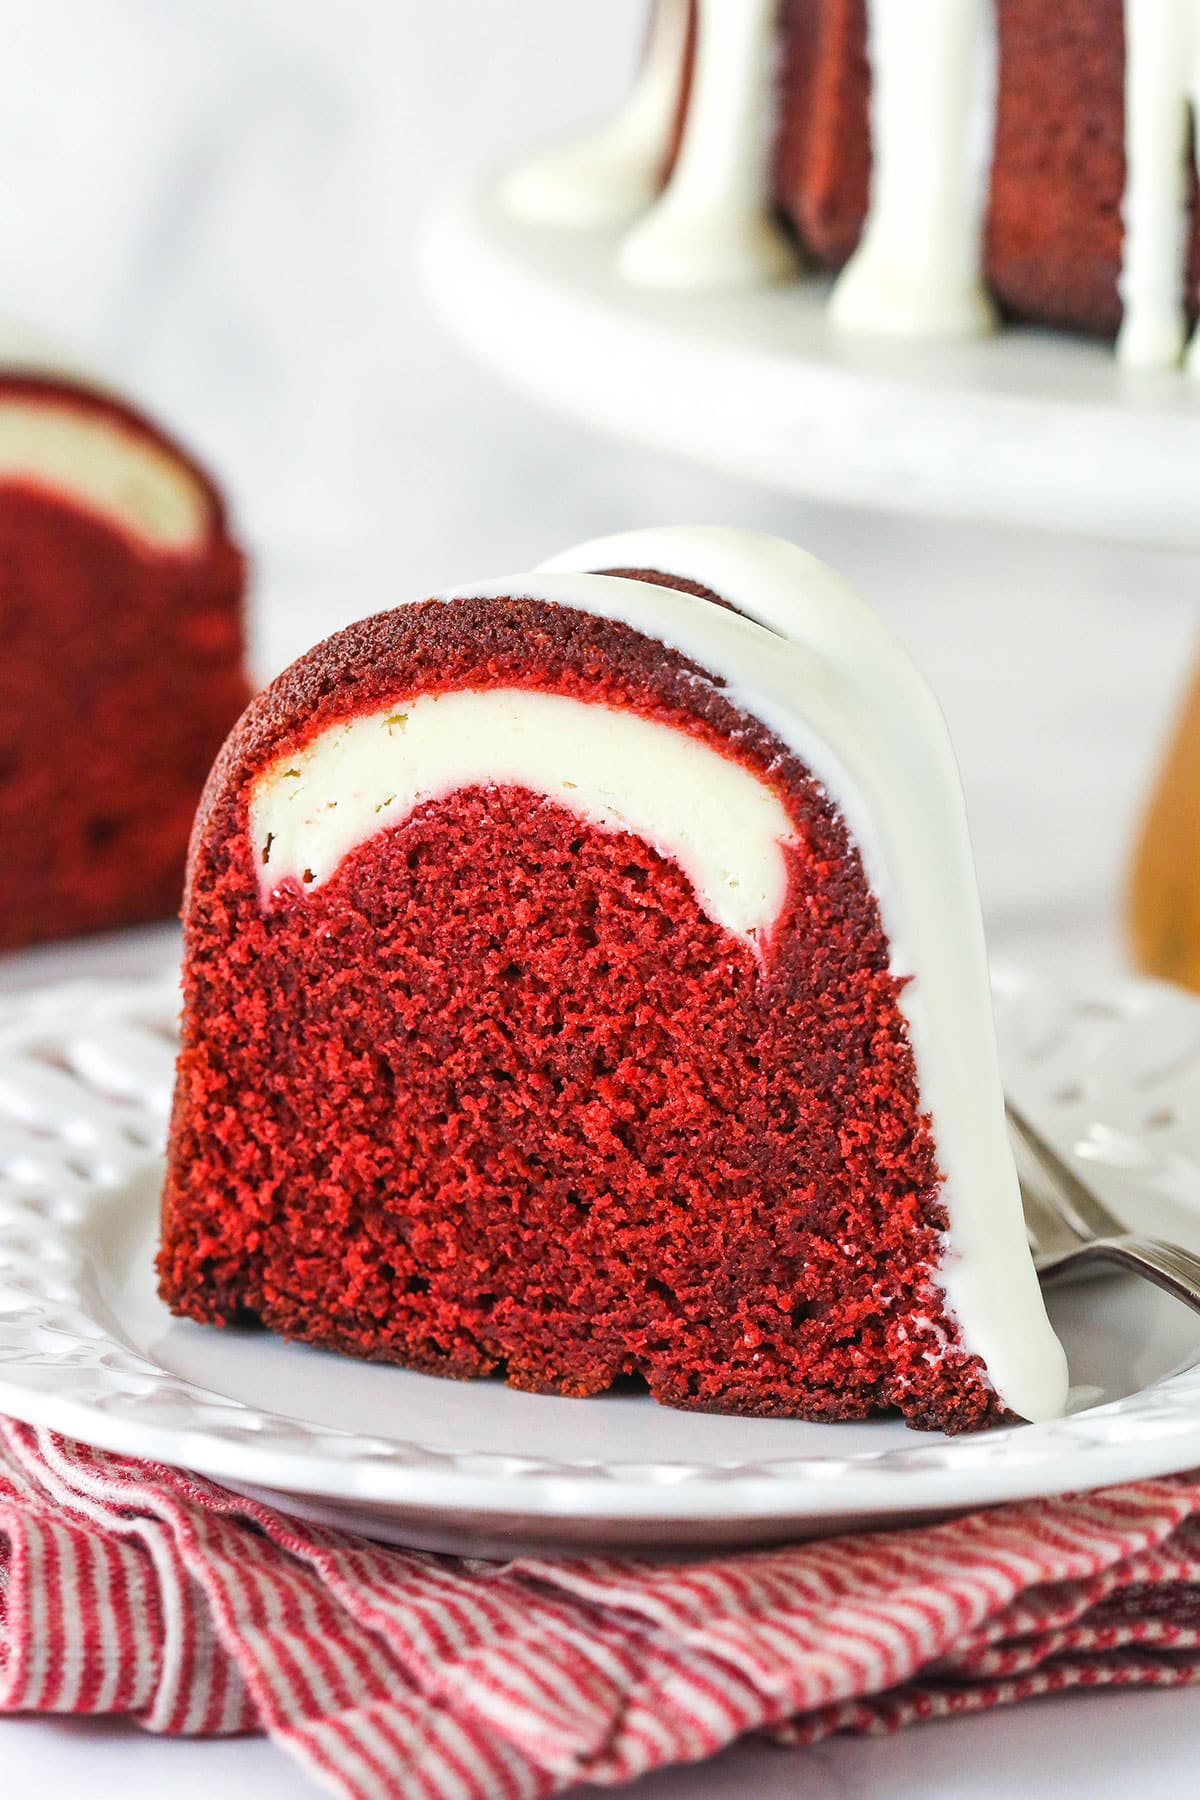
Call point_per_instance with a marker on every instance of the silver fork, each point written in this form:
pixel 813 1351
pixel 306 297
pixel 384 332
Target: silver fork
pixel 1070 1226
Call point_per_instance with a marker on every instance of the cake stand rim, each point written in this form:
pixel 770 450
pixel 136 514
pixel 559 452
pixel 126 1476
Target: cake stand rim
pixel 1029 428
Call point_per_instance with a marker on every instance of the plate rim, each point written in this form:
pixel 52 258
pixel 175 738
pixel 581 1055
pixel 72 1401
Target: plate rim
pixel 248 1445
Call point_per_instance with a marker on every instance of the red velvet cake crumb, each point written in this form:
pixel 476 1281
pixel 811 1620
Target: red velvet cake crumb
pixel 499 1097
pixel 822 173
pixel 121 673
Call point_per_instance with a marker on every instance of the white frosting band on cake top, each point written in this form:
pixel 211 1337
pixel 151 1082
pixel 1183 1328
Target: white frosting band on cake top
pixel 708 813
pixel 842 692
pixel 609 175
pixel 102 466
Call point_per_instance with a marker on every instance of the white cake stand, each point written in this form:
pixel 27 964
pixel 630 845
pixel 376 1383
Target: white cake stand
pixel 1028 427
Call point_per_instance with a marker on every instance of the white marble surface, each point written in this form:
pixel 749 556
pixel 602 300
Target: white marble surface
pixel 217 200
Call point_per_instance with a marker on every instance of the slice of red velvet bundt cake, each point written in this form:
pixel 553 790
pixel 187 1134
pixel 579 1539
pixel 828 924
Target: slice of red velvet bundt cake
pixel 120 618
pixel 583 980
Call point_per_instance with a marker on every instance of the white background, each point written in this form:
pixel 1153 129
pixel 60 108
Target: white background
pixel 217 201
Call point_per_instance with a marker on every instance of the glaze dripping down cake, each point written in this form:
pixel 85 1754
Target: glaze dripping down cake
pixel 122 668
pixel 584 979
pixel 958 161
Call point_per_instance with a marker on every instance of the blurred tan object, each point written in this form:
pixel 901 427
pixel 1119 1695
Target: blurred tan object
pixel 1164 896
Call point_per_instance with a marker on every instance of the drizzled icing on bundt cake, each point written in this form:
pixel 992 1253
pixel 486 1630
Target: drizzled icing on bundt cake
pixel 584 980
pixel 1079 109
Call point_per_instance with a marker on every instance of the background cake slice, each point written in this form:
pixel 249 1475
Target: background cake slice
pixel 121 620
pixel 584 981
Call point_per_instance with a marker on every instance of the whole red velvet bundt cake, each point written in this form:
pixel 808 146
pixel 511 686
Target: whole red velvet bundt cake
pixel 582 981
pixel 963 157
pixel 120 617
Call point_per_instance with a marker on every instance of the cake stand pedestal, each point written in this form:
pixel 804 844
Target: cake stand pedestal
pixel 1028 427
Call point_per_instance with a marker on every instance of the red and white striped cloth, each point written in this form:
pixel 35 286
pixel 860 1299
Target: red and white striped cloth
pixel 130 1588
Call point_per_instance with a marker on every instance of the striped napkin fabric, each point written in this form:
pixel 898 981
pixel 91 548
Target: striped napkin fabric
pixel 128 1588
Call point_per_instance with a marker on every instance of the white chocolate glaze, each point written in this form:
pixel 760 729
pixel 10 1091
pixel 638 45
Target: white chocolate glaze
pixel 719 822
pixel 104 467
pixel 1162 84
pixel 609 176
pixel 917 271
pixel 712 226
pixel 841 691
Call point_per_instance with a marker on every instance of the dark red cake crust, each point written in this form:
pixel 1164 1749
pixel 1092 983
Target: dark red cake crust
pixel 678 583
pixel 498 1096
pixel 122 672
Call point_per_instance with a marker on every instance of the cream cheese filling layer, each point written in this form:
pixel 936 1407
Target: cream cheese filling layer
pixel 105 468
pixel 721 824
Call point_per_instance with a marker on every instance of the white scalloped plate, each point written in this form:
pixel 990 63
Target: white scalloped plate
pixel 86 1347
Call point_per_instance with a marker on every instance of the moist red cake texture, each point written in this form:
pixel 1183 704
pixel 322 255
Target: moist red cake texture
pixel 1053 232
pixel 499 1098
pixel 121 674
pixel 1053 242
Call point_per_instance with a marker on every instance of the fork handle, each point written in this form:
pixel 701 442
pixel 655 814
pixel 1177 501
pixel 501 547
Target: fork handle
pixel 1166 1265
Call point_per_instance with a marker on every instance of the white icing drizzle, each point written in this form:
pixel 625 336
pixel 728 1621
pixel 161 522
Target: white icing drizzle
pixel 917 271
pixel 843 694
pixel 719 822
pixel 712 226
pixel 1162 84
pixel 104 467
pixel 610 175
